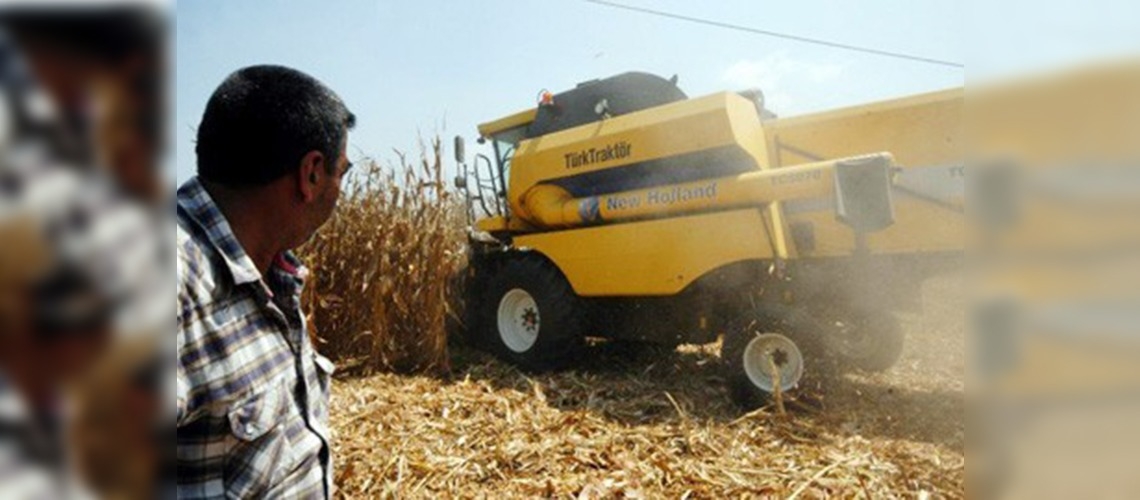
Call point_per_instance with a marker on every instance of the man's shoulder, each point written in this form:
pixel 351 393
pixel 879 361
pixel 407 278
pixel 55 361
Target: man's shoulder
pixel 192 258
pixel 183 240
pixel 185 247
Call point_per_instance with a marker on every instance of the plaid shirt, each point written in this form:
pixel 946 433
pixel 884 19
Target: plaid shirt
pixel 252 392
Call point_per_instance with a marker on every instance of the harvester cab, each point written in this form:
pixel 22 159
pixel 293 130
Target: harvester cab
pixel 481 184
pixel 624 209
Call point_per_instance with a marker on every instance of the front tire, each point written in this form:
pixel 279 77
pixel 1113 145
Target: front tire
pixel 531 316
pixel 750 349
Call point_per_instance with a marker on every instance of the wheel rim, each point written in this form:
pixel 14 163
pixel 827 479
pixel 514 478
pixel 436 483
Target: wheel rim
pixel 518 320
pixel 768 348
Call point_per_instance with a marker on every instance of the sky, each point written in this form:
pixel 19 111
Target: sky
pixel 416 69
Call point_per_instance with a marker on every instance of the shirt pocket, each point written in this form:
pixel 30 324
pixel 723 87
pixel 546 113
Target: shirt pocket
pixel 260 455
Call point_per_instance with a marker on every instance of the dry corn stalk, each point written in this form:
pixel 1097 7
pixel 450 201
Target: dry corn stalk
pixel 385 267
pixel 777 391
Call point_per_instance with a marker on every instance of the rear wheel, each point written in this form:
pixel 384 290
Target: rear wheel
pixel 866 340
pixel 530 315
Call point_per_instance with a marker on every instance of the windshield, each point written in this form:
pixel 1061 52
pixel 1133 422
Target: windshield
pixel 503 152
pixel 505 143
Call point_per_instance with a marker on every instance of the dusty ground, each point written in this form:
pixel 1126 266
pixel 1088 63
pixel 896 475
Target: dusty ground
pixel 659 424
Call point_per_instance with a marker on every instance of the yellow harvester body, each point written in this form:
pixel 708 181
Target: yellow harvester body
pixel 625 210
pixel 645 203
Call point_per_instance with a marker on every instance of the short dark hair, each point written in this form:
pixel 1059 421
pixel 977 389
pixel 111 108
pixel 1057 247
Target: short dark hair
pixel 262 120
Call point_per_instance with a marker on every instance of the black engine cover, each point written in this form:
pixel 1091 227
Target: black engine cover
pixel 624 93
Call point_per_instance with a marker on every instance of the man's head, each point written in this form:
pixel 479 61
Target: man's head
pixel 279 132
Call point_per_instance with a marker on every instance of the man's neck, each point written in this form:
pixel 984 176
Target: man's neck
pixel 251 223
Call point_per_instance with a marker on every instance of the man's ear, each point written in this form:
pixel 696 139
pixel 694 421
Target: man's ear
pixel 309 175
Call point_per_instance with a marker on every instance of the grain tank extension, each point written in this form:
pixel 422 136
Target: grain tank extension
pixel 623 209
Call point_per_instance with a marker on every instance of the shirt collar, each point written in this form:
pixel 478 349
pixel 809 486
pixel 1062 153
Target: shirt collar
pixel 196 205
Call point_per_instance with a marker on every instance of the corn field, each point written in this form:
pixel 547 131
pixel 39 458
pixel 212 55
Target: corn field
pixel 385 268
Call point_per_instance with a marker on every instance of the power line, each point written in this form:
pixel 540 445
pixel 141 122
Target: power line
pixel 786 36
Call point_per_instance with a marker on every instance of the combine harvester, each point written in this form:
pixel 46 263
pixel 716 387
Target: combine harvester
pixel 623 209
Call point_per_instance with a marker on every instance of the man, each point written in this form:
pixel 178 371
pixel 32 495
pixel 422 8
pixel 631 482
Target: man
pixel 251 390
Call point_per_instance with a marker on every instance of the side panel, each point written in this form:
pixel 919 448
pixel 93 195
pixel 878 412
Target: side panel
pixel 652 258
pixel 724 124
pixel 922 132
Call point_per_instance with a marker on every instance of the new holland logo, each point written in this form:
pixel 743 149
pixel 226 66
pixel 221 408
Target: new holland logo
pixel 591 156
pixel 590 210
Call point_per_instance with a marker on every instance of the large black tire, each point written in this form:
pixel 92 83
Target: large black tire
pixel 792 324
pixel 530 316
pixel 866 340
